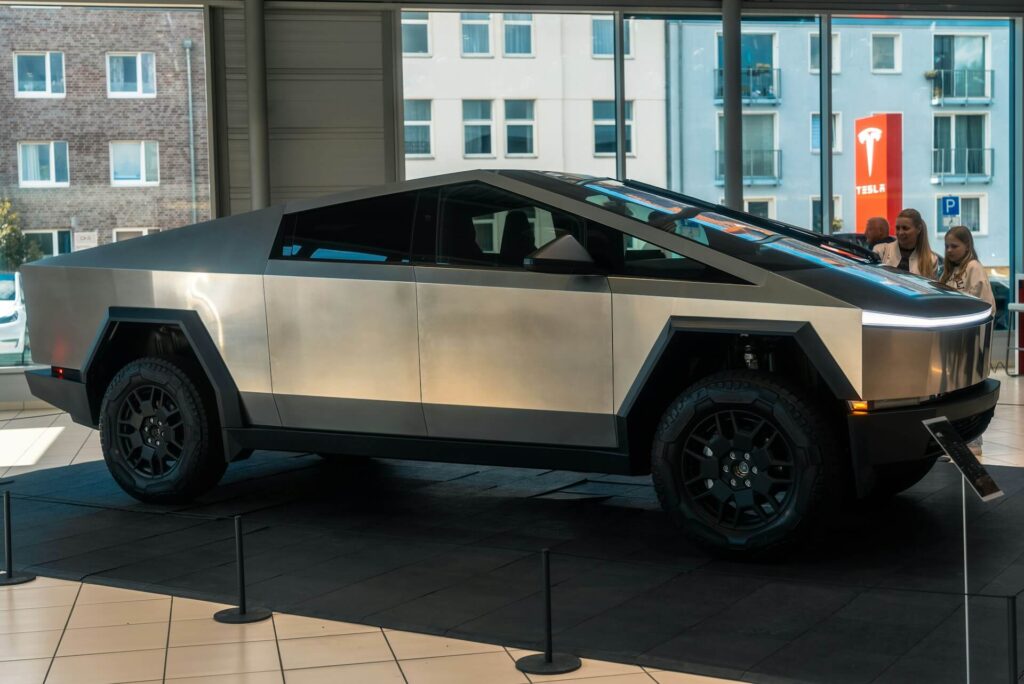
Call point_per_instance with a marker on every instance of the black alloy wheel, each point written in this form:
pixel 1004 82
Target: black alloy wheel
pixel 738 469
pixel 158 431
pixel 747 465
pixel 150 431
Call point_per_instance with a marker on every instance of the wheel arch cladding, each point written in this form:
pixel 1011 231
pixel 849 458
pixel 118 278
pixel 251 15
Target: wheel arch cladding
pixel 129 333
pixel 671 366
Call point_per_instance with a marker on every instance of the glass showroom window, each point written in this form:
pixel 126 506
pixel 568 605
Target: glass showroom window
pixel 476 34
pixel 814 53
pixel 417 128
pixel 39 74
pixel 415 33
pixel 837 133
pixel 886 53
pixel 43 164
pixel 518 35
pixel 519 127
pixel 135 163
pixel 603 36
pixel 131 74
pixel 604 127
pixel 477 128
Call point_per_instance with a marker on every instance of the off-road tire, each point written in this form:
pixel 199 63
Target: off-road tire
pixel 815 457
pixel 199 461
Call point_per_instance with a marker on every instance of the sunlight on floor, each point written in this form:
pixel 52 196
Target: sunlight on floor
pixel 25 446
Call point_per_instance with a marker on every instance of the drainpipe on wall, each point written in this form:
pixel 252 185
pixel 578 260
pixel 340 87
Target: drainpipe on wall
pixel 187 44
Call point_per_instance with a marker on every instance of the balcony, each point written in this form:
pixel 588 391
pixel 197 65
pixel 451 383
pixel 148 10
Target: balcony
pixel 961 165
pixel 760 167
pixel 758 85
pixel 952 87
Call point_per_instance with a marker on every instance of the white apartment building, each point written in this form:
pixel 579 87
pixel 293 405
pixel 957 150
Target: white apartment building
pixel 529 91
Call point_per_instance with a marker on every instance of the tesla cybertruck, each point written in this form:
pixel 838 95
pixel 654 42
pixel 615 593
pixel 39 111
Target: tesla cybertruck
pixel 760 372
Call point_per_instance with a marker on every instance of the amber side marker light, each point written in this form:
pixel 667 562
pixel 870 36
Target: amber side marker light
pixel 858 408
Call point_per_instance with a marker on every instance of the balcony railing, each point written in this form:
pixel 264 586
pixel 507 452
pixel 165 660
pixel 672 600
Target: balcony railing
pixel 962 165
pixel 760 167
pixel 758 85
pixel 961 86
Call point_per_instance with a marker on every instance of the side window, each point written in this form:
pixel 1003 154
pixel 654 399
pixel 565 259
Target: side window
pixel 623 255
pixel 485 226
pixel 378 229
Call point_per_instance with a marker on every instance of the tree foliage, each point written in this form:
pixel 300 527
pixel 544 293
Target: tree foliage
pixel 15 247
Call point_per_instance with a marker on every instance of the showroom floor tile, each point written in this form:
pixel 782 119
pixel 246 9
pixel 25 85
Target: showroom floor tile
pixel 39 645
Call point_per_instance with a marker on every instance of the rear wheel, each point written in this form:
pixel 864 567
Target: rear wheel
pixel 745 464
pixel 157 433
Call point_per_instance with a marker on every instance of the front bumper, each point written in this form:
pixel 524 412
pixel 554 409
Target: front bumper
pixel 64 393
pixel 895 435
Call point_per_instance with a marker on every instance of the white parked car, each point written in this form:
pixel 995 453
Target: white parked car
pixel 12 314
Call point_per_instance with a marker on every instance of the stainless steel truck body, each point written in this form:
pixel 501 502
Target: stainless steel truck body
pixel 761 372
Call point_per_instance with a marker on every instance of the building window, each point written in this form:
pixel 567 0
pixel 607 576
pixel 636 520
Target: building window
pixel 476 34
pixel 959 146
pixel 518 35
pixel 973 214
pixel 837 133
pixel 476 127
pixel 122 234
pixel 603 36
pixel 762 208
pixel 837 215
pixel 815 54
pixel 131 74
pixel 50 242
pixel 135 163
pixel 604 127
pixel 43 164
pixel 886 53
pixel 415 33
pixel 519 128
pixel 417 128
pixel 759 79
pixel 960 67
pixel 762 160
pixel 39 74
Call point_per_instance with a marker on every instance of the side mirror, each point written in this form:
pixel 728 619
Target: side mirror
pixel 564 255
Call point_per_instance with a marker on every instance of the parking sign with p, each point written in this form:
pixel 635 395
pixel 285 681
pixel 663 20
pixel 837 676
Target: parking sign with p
pixel 951 206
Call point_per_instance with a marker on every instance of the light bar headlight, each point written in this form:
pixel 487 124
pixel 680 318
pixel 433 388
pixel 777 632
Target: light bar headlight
pixel 886 320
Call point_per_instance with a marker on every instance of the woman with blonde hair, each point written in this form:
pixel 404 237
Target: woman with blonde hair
pixel 911 251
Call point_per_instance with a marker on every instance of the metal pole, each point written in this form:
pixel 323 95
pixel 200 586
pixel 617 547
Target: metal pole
pixel 545 559
pixel 187 44
pixel 619 51
pixel 732 134
pixel 9 578
pixel 1011 633
pixel 256 90
pixel 825 119
pixel 967 606
pixel 240 564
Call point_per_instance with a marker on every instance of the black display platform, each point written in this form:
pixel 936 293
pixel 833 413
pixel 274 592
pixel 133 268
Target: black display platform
pixel 451 549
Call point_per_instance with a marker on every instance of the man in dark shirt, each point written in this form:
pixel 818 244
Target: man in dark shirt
pixel 876 231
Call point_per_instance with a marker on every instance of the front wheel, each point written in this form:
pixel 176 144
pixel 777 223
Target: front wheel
pixel 157 434
pixel 746 464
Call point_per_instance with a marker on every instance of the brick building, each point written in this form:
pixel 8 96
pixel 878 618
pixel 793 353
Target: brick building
pixel 94 121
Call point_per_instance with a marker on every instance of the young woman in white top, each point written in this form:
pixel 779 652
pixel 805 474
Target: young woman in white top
pixel 962 271
pixel 911 251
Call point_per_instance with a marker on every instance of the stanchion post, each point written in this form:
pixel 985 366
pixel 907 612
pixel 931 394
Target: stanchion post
pixel 1011 635
pixel 241 614
pixel 549 662
pixel 8 577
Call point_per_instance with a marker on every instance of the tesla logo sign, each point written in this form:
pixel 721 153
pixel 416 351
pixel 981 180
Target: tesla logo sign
pixel 868 137
pixel 879 167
